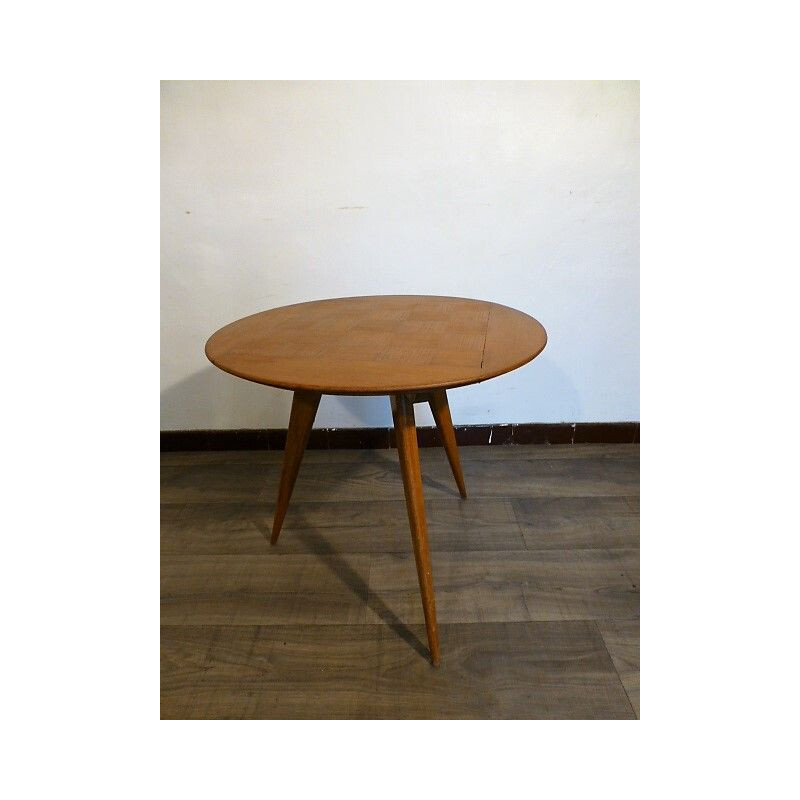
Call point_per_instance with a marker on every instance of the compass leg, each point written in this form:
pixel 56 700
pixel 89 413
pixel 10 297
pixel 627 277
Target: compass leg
pixel 441 413
pixel 406 435
pixel 304 409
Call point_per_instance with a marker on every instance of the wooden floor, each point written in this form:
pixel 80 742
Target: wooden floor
pixel 536 577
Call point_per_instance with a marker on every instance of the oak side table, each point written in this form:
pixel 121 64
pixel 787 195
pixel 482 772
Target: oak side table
pixel 412 348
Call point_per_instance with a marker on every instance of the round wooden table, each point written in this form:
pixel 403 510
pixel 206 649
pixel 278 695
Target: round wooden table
pixel 412 348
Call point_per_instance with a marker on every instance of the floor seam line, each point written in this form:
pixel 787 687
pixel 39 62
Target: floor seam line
pixel 520 531
pixel 616 671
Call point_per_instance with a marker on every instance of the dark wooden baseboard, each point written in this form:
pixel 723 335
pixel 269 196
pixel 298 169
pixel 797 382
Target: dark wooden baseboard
pixel 372 438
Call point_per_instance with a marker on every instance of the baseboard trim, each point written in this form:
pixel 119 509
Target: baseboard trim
pixel 377 438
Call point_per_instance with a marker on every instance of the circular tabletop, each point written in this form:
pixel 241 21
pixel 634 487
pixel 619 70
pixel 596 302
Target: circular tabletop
pixel 377 345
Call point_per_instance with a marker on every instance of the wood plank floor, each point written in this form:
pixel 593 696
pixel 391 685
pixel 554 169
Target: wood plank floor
pixel 536 577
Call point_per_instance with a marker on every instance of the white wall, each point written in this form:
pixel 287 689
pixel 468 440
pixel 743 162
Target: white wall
pixel 525 193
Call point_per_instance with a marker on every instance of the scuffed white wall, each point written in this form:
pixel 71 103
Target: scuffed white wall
pixel 524 193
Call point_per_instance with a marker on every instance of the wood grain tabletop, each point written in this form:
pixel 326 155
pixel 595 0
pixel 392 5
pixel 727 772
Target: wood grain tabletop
pixel 377 344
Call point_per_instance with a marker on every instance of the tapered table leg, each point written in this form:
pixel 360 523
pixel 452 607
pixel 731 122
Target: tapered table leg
pixel 304 410
pixel 441 413
pixel 406 435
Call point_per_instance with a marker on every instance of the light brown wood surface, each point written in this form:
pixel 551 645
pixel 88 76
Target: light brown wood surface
pixel 304 409
pixel 441 413
pixel 377 345
pixel 405 430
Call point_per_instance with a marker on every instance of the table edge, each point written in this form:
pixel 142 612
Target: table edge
pixel 375 392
